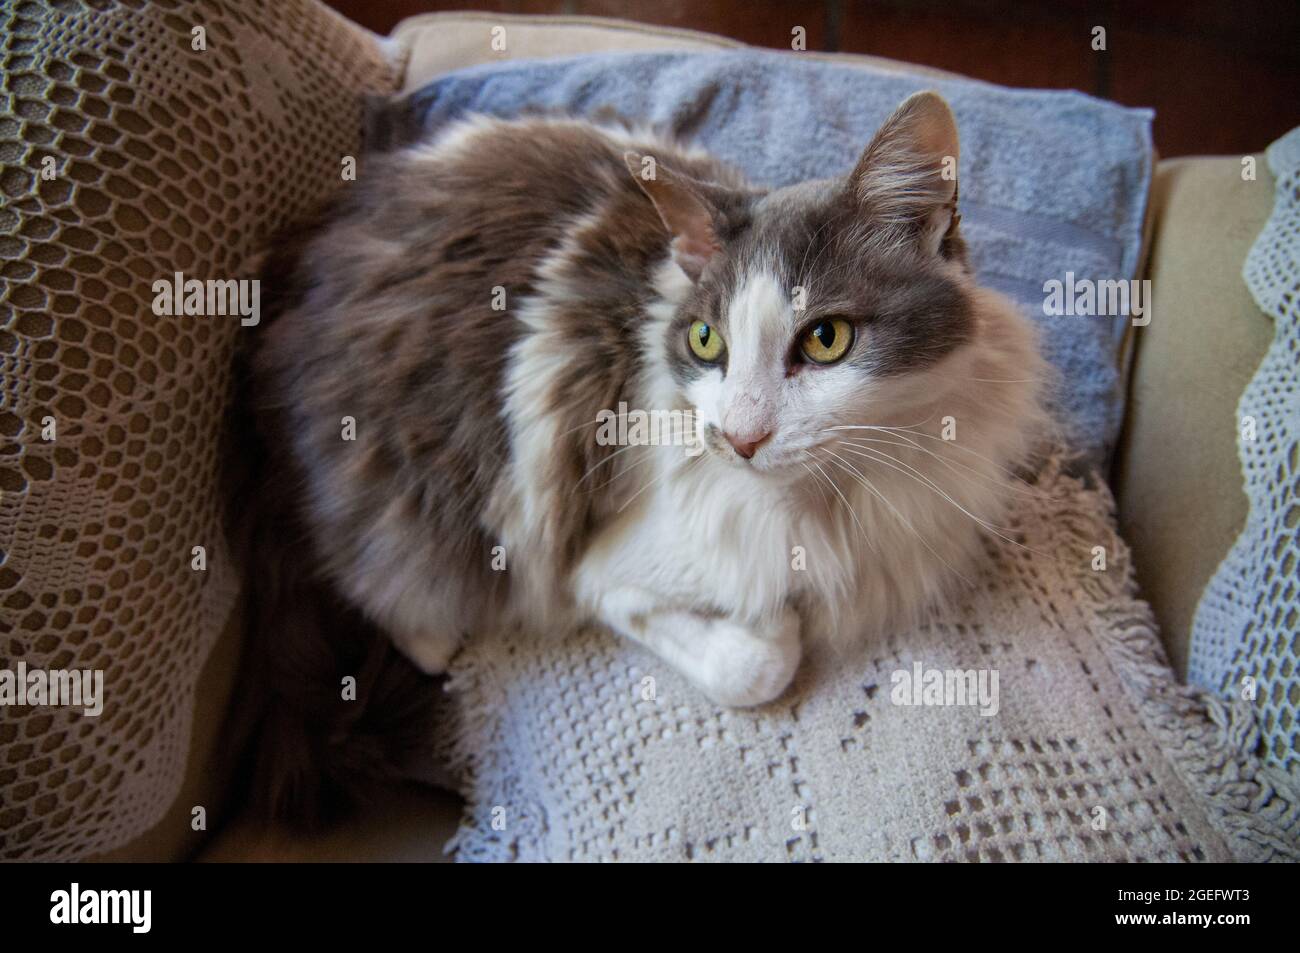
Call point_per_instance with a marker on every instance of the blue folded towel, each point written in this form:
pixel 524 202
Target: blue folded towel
pixel 1051 182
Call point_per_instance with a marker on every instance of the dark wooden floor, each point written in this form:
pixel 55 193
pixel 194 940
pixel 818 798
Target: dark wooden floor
pixel 1223 77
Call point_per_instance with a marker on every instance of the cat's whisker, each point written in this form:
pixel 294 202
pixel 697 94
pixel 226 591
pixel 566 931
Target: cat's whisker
pixel 919 423
pixel 668 471
pixel 676 439
pixel 635 465
pixel 882 457
pixel 906 522
pixel 899 431
pixel 950 464
pixel 910 471
pixel 602 462
pixel 595 421
pixel 590 423
pixel 843 499
pixel 825 499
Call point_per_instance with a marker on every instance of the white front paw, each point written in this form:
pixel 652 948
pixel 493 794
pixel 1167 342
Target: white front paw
pixel 740 669
pixel 429 653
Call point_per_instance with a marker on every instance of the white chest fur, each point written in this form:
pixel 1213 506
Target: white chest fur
pixel 721 539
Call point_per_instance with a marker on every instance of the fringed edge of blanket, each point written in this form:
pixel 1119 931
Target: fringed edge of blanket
pixel 1212 742
pixel 470 737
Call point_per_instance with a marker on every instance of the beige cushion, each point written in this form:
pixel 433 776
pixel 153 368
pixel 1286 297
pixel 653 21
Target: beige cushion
pixel 1177 477
pixel 408 824
pixel 436 43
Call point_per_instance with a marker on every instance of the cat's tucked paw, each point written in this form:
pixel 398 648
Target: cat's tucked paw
pixel 740 669
pixel 430 654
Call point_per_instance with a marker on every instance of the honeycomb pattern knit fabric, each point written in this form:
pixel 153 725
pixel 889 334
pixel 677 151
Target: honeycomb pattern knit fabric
pixel 126 155
pixel 1246 634
pixel 587 748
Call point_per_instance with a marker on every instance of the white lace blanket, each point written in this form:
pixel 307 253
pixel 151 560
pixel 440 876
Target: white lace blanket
pixel 1246 634
pixel 1095 752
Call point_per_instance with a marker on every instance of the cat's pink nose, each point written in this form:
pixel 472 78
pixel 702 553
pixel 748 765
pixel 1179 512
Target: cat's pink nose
pixel 745 446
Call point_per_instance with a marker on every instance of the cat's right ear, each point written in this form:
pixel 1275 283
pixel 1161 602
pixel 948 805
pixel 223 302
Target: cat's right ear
pixel 691 219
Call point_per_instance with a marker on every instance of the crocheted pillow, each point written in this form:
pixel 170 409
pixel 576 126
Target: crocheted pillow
pixel 1036 721
pixel 138 140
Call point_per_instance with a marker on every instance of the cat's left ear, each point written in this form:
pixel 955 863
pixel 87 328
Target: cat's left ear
pixel 684 205
pixel 907 177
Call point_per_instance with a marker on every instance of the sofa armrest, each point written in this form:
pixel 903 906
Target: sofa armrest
pixel 1177 477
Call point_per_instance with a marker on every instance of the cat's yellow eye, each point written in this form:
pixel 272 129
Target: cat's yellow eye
pixel 706 342
pixel 827 341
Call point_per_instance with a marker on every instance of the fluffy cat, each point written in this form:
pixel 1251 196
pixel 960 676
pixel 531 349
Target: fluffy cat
pixel 478 303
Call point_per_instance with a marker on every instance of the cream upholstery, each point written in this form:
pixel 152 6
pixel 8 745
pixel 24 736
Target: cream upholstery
pixel 409 824
pixel 1177 478
pixel 436 43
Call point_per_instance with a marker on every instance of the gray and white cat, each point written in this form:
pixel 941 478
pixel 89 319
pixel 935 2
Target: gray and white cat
pixel 478 303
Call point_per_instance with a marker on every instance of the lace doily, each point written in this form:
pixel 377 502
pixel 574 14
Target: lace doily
pixel 1247 625
pixel 165 158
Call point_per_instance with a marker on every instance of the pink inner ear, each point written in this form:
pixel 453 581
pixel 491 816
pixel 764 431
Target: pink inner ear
pixel 687 218
pixel 692 254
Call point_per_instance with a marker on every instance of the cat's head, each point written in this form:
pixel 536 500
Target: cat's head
pixel 823 305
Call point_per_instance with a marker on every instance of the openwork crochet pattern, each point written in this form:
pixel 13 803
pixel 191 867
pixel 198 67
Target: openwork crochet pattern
pixel 1095 753
pixel 166 159
pixel 1247 625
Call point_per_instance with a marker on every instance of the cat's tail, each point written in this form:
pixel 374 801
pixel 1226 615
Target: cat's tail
pixel 333 711
pixel 327 710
